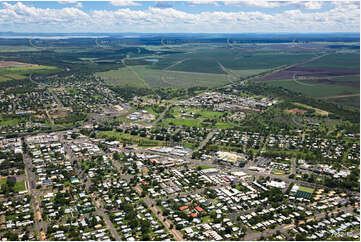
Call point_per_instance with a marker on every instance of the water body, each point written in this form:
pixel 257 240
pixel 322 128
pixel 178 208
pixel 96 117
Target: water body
pixel 48 37
pixel 152 60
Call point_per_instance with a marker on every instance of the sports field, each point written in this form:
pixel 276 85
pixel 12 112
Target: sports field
pixel 306 189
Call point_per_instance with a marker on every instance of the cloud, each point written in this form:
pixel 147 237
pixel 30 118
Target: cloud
pixel 24 18
pixel 67 1
pixel 277 4
pixel 162 4
pixel 124 3
pixel 198 2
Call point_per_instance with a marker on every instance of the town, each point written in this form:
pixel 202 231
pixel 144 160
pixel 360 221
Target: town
pixel 180 120
pixel 129 175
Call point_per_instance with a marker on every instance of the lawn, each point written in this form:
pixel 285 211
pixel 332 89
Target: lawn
pixel 223 125
pixel 196 113
pixel 12 120
pixel 183 122
pixel 19 185
pixel 203 167
pixel 306 189
pixel 196 117
pixel 206 219
pixel 278 172
pixel 241 188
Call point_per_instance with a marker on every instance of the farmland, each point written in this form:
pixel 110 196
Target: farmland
pixel 21 72
pixel 336 61
pixel 317 90
pixel 132 139
pixel 317 69
pixel 199 66
pixel 144 76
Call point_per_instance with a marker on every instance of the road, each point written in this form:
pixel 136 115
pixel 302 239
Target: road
pixel 284 228
pixel 288 67
pixel 342 96
pixel 203 143
pixel 293 166
pixel 161 116
pixel 301 83
pixel 98 205
pixel 49 117
pixel 161 218
pixel 40 224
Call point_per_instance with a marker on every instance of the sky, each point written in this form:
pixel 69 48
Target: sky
pixel 199 16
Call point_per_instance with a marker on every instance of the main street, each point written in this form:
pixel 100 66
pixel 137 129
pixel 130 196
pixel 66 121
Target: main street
pixel 40 224
pixel 97 203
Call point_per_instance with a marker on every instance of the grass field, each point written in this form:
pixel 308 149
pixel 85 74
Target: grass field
pixel 10 120
pixel 142 141
pixel 277 172
pixel 145 76
pixel 317 111
pixel 121 77
pixel 306 189
pixel 17 73
pixel 339 61
pixel 195 117
pixel 19 185
pixel 17 48
pixel 201 59
pixel 314 90
pixel 202 167
pixel 340 79
pixel 353 101
pixel 195 112
pixel 183 122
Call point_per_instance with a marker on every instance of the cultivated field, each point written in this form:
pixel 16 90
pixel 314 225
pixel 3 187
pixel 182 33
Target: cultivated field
pixel 144 76
pixel 21 72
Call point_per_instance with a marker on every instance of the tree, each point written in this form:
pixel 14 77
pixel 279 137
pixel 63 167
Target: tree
pixel 116 156
pixel 301 237
pixel 133 223
pixel 10 182
pixel 146 237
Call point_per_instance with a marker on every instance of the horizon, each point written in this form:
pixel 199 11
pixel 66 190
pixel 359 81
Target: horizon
pixel 193 17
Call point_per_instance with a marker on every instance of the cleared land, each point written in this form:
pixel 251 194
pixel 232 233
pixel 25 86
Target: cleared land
pixel 21 72
pixel 193 117
pixel 160 78
pixel 337 61
pixel 317 90
pixel 142 141
pixel 317 111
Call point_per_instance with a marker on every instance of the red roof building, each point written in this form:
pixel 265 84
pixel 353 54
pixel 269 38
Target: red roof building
pixel 183 208
pixel 193 215
pixel 199 209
